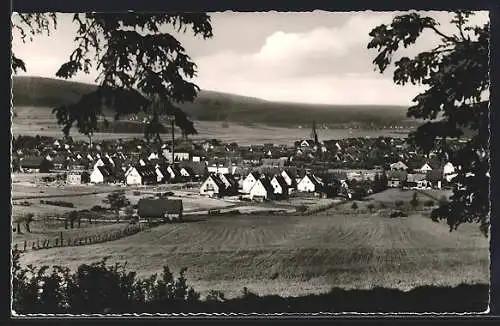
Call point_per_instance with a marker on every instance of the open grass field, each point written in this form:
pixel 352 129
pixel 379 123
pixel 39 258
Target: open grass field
pixel 296 255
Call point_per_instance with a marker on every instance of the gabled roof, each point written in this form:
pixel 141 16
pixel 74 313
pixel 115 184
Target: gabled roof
pixel 217 181
pixel 197 168
pixel 281 181
pixel 266 183
pixel 105 170
pixel 146 171
pixel 158 207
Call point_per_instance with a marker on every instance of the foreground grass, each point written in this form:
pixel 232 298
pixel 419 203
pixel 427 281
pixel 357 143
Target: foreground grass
pixel 296 255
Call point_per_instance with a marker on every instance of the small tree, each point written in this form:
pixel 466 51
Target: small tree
pixel 371 207
pixel 354 205
pixel 27 221
pixel 117 200
pixel 414 200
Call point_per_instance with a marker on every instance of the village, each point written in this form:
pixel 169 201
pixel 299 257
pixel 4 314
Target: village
pixel 345 169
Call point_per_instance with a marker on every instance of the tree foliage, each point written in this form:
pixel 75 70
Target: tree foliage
pixel 455 78
pixel 135 58
pixel 117 200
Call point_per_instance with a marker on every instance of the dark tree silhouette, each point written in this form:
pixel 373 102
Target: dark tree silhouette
pixel 135 60
pixel 117 200
pixel 455 75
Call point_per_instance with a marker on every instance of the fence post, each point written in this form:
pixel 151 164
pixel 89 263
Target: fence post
pixel 25 245
pixel 61 237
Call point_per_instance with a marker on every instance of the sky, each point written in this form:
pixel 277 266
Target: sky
pixel 311 57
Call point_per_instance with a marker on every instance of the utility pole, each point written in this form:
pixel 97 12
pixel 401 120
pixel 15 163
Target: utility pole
pixel 171 118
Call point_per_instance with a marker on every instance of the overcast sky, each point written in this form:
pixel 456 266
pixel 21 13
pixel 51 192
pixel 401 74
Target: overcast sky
pixel 312 57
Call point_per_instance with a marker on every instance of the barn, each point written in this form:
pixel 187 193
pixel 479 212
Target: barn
pixel 163 209
pixel 34 164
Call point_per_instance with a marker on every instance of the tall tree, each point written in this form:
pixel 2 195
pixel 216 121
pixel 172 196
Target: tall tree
pixel 455 77
pixel 135 58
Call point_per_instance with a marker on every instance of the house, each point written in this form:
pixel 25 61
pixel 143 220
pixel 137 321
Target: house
pixel 261 190
pixel 59 163
pixel 164 209
pixel 102 161
pixel 309 183
pixel 34 165
pixel 230 182
pixel 219 166
pixel 416 181
pixel 141 175
pixel 197 170
pixel 449 171
pixel 434 178
pixel 280 186
pixel 174 173
pixel 424 168
pixel 162 174
pixel 398 166
pixel 290 177
pixel 396 178
pixel 101 174
pixel 213 186
pixel 249 182
pixel 75 177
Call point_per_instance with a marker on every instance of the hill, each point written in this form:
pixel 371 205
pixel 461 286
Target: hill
pixel 45 93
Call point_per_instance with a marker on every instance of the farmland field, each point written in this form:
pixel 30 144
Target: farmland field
pixel 296 255
pixel 242 134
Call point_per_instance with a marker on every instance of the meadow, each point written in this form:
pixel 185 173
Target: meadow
pixel 296 255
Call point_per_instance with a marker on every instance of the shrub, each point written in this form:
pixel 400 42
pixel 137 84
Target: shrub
pixel 399 203
pixel 383 205
pixel 354 205
pixel 429 203
pixel 97 208
pixel 370 207
pixel 59 203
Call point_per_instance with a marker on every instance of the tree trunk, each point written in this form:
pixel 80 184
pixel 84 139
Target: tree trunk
pixel 18 229
pixel 27 225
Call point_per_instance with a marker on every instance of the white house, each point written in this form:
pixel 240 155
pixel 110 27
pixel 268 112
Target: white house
pixel 218 168
pixel 399 166
pixel 262 189
pixel 449 171
pixel 185 173
pixel 153 156
pixel 425 168
pixel 100 174
pixel 249 182
pixel 212 186
pixel 133 177
pixel 279 185
pixel 309 183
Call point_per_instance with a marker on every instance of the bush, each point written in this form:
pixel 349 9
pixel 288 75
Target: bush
pixel 354 205
pixel 399 203
pixel 429 203
pixel 58 203
pixel 97 208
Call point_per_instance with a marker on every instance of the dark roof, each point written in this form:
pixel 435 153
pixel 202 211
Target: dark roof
pixel 231 179
pixel 281 181
pixel 434 175
pixel 159 207
pixel 33 162
pixel 105 170
pixel 218 181
pixel 267 184
pixel 197 168
pixel 146 170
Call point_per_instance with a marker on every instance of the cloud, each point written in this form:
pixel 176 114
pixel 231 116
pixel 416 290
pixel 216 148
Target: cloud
pixel 322 65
